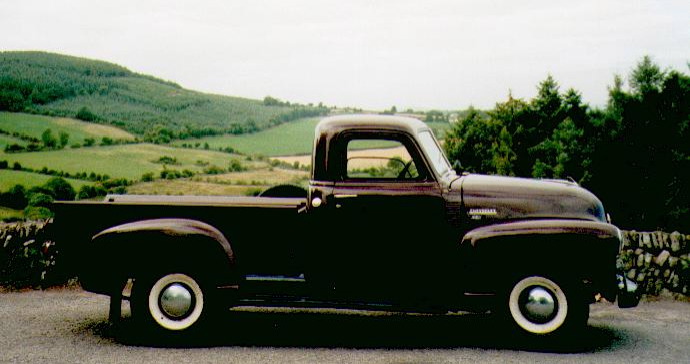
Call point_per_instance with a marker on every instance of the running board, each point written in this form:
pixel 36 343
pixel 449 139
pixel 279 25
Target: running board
pixel 258 278
pixel 274 285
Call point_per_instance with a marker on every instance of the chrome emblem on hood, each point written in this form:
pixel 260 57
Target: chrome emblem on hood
pixel 478 213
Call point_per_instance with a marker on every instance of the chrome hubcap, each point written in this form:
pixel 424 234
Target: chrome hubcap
pixel 176 300
pixel 538 305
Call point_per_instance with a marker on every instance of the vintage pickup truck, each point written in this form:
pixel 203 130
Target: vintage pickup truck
pixel 401 232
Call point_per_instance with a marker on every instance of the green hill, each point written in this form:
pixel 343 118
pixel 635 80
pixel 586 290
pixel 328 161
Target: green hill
pixel 34 125
pixel 119 161
pixel 156 110
pixel 9 178
pixel 295 138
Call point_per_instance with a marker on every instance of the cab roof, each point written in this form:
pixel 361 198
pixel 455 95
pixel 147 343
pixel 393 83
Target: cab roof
pixel 367 121
pixel 328 129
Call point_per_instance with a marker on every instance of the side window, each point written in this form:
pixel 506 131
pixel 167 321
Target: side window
pixel 379 159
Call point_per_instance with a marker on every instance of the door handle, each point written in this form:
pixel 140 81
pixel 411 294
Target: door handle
pixel 341 197
pixel 344 196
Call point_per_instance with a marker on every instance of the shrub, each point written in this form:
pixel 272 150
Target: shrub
pixel 15 198
pixel 85 114
pixel 61 189
pixel 40 200
pixel 48 139
pixel 147 177
pixel 187 173
pixel 64 138
pixel 236 166
pixel 167 160
pixel 213 169
pixel 86 192
pixel 173 173
pixel 37 213
pixel 120 190
pixel 14 148
pixel 115 182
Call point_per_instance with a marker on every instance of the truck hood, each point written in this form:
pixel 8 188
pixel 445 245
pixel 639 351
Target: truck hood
pixel 506 198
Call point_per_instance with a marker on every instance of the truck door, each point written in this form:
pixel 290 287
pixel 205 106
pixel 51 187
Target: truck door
pixel 384 219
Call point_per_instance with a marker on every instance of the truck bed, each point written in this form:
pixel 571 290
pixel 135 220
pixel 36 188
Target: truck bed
pixel 263 231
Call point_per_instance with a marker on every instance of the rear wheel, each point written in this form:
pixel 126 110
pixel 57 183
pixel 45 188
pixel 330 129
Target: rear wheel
pixel 172 302
pixel 539 305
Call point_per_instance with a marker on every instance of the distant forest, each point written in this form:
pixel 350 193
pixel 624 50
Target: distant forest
pixel 156 110
pixel 634 153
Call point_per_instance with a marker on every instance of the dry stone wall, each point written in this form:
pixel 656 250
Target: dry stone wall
pixel 656 260
pixel 28 258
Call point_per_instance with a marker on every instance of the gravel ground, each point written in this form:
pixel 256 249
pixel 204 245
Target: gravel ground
pixel 70 326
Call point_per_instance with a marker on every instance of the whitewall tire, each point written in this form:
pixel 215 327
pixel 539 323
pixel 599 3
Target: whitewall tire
pixel 539 306
pixel 175 302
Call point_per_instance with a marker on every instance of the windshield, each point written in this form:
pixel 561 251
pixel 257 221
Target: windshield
pixel 433 151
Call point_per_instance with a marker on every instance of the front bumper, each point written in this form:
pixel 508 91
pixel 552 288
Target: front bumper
pixel 629 293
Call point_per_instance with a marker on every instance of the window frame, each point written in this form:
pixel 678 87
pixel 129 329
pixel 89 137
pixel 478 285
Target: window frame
pixel 403 138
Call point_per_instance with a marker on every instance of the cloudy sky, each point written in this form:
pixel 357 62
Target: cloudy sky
pixel 372 54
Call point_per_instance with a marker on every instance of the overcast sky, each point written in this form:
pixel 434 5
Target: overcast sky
pixel 371 54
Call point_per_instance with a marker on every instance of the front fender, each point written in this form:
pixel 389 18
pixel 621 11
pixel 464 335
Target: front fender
pixel 585 250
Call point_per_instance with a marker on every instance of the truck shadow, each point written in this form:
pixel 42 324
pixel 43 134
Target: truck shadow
pixel 359 331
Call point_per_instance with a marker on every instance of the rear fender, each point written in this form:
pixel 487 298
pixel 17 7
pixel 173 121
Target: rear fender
pixel 128 250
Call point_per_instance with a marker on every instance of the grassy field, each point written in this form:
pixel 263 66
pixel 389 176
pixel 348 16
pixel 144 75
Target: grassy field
pixel 8 140
pixel 35 125
pixel 121 161
pixel 260 177
pixel 236 183
pixel 7 213
pixel 9 178
pixel 181 187
pixel 294 138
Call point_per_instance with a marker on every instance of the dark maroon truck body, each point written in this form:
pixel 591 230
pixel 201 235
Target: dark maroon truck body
pixel 427 239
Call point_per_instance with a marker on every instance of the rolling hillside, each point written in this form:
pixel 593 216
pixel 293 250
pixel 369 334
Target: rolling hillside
pixel 9 178
pixel 119 161
pixel 156 110
pixel 136 133
pixel 290 139
pixel 34 125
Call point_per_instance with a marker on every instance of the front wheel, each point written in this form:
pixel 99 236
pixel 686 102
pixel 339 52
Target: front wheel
pixel 539 306
pixel 173 302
